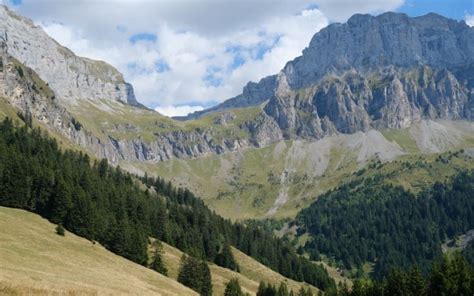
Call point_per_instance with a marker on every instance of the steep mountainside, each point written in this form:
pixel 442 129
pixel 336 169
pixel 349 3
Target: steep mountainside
pixel 69 76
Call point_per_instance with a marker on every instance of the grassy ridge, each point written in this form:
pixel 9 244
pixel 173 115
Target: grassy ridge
pixel 35 260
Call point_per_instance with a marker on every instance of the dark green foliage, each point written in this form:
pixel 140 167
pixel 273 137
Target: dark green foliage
pixel 452 276
pixel 266 290
pixel 158 264
pixel 366 221
pixel 283 290
pixel 202 230
pixel 232 288
pixel 468 252
pixel 195 274
pixel 60 230
pixel 304 292
pixel 226 259
pixel 449 276
pixel 106 204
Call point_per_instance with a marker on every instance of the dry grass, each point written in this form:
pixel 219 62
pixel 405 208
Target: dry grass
pixel 251 272
pixel 34 260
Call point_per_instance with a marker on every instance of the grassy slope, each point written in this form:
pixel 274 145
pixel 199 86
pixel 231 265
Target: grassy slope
pixel 35 260
pixel 251 272
pixel 106 117
pixel 245 184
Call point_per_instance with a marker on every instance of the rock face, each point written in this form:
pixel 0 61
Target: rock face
pixel 366 42
pixel 386 71
pixel 70 77
pixel 378 72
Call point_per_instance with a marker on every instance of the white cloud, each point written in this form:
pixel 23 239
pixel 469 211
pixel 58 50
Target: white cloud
pixel 469 19
pixel 171 111
pixel 341 10
pixel 190 57
pixel 207 49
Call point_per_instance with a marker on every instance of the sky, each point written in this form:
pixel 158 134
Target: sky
pixel 186 55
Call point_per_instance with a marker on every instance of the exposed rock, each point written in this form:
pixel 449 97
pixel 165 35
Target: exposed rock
pixel 69 76
pixel 386 71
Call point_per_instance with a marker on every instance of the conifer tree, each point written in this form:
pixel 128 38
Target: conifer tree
pixel 226 259
pixel 158 264
pixel 232 288
pixel 196 275
pixel 282 290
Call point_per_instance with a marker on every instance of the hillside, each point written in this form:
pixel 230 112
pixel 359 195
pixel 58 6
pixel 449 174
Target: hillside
pixel 279 180
pixel 108 205
pixel 35 260
pixel 250 275
pixel 370 221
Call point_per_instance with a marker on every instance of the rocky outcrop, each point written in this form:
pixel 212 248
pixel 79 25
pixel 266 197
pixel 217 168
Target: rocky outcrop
pixel 386 98
pixel 366 43
pixel 386 71
pixel 69 76
pixel 253 94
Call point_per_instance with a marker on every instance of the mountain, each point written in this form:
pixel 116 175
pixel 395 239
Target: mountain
pixel 69 76
pixel 377 88
pixel 386 71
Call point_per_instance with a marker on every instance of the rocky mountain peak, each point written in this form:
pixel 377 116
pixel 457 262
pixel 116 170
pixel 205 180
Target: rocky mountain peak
pixel 69 76
pixel 369 42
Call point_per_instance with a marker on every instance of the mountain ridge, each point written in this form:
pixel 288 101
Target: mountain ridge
pixel 308 68
pixel 71 77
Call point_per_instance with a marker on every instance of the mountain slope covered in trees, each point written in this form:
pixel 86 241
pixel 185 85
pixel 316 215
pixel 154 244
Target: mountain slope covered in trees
pixel 370 221
pixel 105 204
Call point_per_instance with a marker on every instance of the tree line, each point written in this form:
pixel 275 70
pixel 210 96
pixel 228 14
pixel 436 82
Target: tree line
pixel 365 221
pixel 99 202
pixel 449 276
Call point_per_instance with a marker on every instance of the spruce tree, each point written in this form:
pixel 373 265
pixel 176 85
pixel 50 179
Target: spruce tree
pixel 226 259
pixel 232 288
pixel 158 264
pixel 282 290
pixel 416 282
pixel 196 275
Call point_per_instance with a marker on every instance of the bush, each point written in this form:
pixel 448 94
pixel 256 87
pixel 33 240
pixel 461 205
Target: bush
pixel 60 230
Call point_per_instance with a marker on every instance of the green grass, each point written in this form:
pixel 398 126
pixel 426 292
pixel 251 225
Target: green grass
pixel 124 122
pixel 402 138
pixel 35 260
pixel 245 184
pixel 38 84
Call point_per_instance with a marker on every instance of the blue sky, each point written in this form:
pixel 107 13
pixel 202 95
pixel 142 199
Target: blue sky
pixel 184 55
pixel 456 9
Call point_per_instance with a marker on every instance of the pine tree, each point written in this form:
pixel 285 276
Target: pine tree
pixel 282 290
pixel 158 264
pixel 232 288
pixel 226 259
pixel 196 275
pixel 416 282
